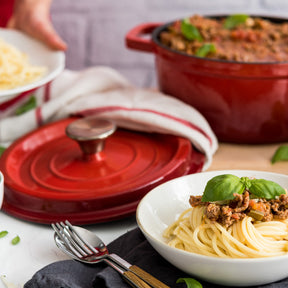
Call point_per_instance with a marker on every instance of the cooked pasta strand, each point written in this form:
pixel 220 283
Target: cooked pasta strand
pixel 244 239
pixel 15 69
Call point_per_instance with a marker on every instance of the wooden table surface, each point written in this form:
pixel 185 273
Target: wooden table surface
pixel 248 157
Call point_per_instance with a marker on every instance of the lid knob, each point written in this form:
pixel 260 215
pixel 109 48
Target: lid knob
pixel 90 133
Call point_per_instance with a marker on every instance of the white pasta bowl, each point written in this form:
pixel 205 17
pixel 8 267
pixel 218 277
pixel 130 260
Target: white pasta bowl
pixel 38 54
pixel 163 205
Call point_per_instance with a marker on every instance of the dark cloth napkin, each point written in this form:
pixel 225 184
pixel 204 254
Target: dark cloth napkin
pixel 134 248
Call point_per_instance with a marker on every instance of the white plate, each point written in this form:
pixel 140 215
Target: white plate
pixel 162 206
pixel 39 54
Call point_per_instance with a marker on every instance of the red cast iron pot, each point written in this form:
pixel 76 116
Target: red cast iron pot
pixel 243 102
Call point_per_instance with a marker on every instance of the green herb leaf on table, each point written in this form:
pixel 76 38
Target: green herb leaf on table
pixel 205 49
pixel 233 21
pixel 281 154
pixel 222 187
pixel 15 240
pixel 29 105
pixel 190 282
pixel 3 233
pixel 189 31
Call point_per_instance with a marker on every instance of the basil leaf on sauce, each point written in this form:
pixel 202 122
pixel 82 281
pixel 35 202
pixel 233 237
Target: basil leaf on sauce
pixel 265 189
pixel 205 49
pixel 189 31
pixel 281 154
pixel 222 187
pixel 190 282
pixel 234 20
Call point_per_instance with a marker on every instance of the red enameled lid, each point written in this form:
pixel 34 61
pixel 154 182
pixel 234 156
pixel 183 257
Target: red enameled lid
pixel 87 171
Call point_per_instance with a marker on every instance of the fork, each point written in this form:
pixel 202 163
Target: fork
pixel 74 244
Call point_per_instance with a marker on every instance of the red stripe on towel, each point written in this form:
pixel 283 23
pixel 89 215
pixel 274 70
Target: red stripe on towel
pixel 38 116
pixel 5 105
pixel 47 90
pixel 115 108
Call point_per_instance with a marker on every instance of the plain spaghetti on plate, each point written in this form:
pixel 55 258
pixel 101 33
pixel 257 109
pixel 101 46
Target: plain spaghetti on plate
pixel 234 218
pixel 15 68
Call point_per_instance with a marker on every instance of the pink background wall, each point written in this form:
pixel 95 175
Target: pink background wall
pixel 95 29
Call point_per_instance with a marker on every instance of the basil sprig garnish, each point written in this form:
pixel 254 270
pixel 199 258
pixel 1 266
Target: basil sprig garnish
pixel 265 189
pixel 234 20
pixel 223 187
pixel 281 154
pixel 205 49
pixel 189 31
pixel 190 282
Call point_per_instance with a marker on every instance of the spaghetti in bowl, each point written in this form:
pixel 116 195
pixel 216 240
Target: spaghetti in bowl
pixel 25 64
pixel 162 206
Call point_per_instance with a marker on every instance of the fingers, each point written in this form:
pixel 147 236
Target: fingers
pixel 45 32
pixel 11 23
pixel 32 17
pixel 41 30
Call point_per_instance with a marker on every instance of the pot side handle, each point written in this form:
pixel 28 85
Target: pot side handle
pixel 134 38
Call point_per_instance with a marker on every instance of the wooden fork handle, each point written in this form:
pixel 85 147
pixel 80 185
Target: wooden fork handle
pixel 134 280
pixel 155 283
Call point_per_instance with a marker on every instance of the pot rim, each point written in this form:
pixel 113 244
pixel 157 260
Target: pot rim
pixel 156 32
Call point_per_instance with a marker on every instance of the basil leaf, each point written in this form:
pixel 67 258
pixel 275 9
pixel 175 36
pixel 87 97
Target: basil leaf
pixel 222 187
pixel 234 20
pixel 265 189
pixel 190 282
pixel 205 49
pixel 2 149
pixel 281 154
pixel 246 181
pixel 15 240
pixel 189 31
pixel 3 233
pixel 29 105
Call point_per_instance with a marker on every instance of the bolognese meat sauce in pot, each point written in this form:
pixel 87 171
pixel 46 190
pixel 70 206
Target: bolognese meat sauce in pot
pixel 233 69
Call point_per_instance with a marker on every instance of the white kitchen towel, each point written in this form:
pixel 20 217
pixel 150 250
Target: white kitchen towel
pixel 103 92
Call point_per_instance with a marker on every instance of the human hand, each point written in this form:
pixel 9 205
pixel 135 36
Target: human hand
pixel 33 18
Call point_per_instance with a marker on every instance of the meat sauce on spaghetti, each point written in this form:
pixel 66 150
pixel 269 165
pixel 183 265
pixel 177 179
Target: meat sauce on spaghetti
pixel 236 209
pixel 252 40
pixel 236 217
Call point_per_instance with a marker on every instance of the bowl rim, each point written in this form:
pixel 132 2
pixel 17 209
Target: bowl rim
pixel 57 54
pixel 199 256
